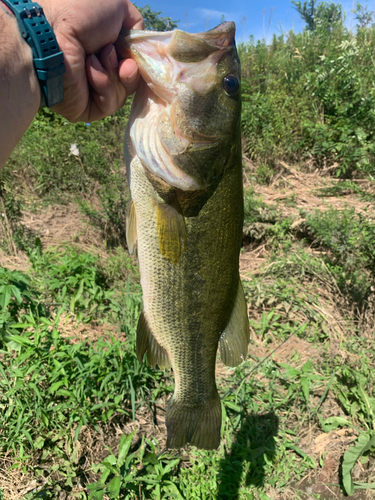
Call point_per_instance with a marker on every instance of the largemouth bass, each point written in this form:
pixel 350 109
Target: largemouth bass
pixel 183 156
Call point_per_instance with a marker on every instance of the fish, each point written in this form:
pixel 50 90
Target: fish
pixel 185 217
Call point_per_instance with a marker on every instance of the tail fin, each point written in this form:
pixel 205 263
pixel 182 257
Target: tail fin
pixel 199 426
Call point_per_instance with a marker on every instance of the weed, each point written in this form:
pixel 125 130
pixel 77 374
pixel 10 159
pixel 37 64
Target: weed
pixel 120 474
pixel 16 296
pixel 344 187
pixel 50 387
pixel 14 235
pixel 349 240
pixel 256 210
pixel 264 222
pixel 309 95
pixel 75 280
pixel 361 407
pixel 284 298
pixel 53 170
pixel 110 217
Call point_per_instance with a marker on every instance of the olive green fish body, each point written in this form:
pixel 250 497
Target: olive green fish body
pixel 188 243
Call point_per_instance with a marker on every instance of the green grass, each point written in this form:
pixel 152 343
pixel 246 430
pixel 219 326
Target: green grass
pixel 344 187
pixel 54 387
pixel 308 97
pixel 349 240
pixel 42 170
pixel 57 390
pixel 254 454
pixel 44 155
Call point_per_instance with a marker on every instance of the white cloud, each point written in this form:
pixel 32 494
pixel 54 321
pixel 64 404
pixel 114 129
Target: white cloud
pixel 212 16
pixel 187 25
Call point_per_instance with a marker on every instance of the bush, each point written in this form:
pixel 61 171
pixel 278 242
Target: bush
pixel 349 240
pixel 310 96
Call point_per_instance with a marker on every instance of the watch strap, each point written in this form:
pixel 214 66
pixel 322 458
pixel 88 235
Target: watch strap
pixel 48 58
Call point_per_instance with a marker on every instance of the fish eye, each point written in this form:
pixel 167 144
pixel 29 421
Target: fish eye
pixel 231 85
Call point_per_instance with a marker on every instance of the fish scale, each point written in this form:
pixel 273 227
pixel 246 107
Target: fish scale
pixel 188 244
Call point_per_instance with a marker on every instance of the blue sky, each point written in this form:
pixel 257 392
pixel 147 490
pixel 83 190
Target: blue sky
pixel 252 17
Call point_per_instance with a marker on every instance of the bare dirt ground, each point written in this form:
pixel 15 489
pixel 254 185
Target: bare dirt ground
pixel 60 225
pixel 291 190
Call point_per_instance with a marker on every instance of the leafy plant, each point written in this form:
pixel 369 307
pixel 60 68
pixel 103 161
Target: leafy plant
pixel 110 217
pixel 364 444
pixel 349 239
pixel 309 96
pixel 314 13
pixel 120 475
pixel 15 291
pixel 13 233
pixel 17 297
pixel 364 17
pixel 76 280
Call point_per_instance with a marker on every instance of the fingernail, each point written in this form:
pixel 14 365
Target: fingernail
pixel 96 63
pixel 112 58
pixel 133 76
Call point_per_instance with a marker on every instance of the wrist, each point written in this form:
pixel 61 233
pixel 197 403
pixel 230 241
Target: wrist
pixel 19 58
pixel 19 89
pixel 48 59
pixel 18 50
pixel 6 8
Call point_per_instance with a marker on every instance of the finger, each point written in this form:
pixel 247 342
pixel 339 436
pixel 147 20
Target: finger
pixel 76 88
pixel 129 75
pixel 109 60
pixel 125 75
pixel 108 93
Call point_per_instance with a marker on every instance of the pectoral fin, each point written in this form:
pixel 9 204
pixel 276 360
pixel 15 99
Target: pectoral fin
pixel 171 230
pixel 236 336
pixel 131 227
pixel 146 343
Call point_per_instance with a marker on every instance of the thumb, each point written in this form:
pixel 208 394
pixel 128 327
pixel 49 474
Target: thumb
pixel 108 93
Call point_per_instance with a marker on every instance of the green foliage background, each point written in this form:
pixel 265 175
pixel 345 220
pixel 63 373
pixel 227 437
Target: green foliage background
pixel 309 97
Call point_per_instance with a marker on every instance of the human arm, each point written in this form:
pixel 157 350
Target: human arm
pixel 95 85
pixel 19 87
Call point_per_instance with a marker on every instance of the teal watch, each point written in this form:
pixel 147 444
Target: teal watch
pixel 48 58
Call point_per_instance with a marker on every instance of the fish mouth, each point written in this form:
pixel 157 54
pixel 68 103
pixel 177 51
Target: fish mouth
pixel 169 62
pixel 188 47
pixel 164 58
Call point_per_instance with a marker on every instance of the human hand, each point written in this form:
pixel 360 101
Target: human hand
pixel 95 84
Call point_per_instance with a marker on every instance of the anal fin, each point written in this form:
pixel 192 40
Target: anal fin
pixel 131 226
pixel 146 343
pixel 171 231
pixel 235 338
